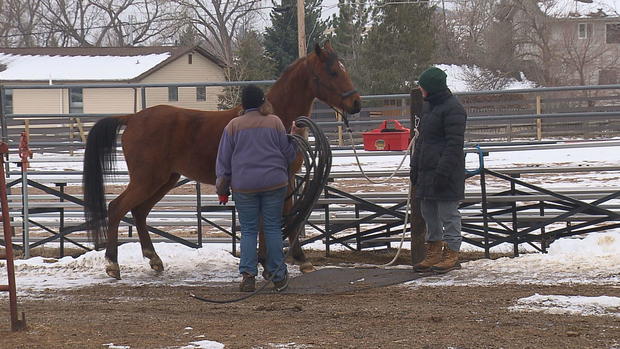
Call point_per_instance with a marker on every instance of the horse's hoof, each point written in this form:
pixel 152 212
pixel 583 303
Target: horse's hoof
pixel 307 267
pixel 157 264
pixel 113 271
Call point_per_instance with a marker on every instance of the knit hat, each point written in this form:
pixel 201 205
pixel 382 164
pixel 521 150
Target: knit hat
pixel 433 80
pixel 252 97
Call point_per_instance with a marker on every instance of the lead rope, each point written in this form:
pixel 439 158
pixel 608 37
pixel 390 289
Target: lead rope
pixel 410 150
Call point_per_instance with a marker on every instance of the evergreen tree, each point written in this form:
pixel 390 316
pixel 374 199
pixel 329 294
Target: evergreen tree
pixel 188 36
pixel 249 63
pixel 398 47
pixel 281 37
pixel 348 32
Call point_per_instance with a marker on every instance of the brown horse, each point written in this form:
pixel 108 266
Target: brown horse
pixel 162 143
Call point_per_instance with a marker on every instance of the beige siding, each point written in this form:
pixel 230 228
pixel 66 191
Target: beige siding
pixel 40 101
pixel 201 70
pixel 111 100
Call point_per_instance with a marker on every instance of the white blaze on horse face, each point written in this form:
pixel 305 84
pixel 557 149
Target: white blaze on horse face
pixel 342 66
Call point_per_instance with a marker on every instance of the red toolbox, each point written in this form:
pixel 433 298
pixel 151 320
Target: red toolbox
pixel 390 135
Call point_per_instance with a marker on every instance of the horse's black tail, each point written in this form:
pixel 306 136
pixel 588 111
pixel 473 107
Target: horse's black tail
pixel 99 159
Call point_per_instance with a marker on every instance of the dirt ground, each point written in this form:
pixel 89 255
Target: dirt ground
pixel 387 317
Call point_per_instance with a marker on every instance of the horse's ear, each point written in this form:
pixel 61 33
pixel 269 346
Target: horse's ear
pixel 317 49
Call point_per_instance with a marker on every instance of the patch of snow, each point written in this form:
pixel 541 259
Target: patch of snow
pixel 204 344
pixel 457 78
pixel 113 346
pixel 570 305
pixel 579 9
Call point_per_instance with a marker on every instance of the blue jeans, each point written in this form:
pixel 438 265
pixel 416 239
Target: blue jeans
pixel 252 207
pixel 443 222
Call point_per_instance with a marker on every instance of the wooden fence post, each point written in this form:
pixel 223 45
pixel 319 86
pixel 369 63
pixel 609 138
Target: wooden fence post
pixel 538 121
pixel 340 135
pixel 418 226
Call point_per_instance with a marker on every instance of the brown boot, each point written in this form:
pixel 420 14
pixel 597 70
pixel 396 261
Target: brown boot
pixel 248 284
pixel 449 261
pixel 433 256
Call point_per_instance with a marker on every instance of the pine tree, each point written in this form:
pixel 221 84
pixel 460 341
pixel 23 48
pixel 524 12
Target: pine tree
pixel 281 37
pixel 188 36
pixel 348 32
pixel 398 47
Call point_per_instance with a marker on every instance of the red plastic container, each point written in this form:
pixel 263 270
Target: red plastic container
pixel 390 135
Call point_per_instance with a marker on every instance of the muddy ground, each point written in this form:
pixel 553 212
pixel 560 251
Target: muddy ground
pixel 387 317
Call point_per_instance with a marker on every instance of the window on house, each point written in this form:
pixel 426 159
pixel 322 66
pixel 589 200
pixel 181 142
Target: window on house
pixel 189 58
pixel 8 101
pixel 582 29
pixel 201 93
pixel 607 77
pixel 76 100
pixel 173 94
pixel 612 33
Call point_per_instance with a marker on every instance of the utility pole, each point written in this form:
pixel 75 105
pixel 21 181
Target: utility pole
pixel 301 28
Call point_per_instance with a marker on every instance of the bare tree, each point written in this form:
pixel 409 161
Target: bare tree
pixel 582 58
pixel 18 22
pixel 109 22
pixel 219 21
pixel 531 26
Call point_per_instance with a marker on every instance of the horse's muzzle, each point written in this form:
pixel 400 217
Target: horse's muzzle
pixel 355 107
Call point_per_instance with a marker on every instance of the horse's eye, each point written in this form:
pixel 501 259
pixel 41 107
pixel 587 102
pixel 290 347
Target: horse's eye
pixel 333 73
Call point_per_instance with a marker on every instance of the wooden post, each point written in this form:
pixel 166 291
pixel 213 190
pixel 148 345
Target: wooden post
pixel 301 28
pixel 27 129
pixel 71 136
pixel 80 127
pixel 538 121
pixel 340 139
pixel 418 225
pixel 16 323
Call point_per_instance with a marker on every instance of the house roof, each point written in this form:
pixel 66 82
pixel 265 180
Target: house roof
pixel 89 63
pixel 581 8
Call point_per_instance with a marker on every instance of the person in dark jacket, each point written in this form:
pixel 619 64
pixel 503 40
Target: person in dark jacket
pixel 438 171
pixel 253 159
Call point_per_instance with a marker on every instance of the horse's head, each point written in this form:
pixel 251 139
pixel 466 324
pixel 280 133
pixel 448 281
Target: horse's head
pixel 331 82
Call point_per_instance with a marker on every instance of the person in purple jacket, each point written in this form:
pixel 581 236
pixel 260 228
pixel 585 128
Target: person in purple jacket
pixel 253 160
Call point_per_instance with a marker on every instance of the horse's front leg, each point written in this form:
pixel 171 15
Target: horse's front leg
pixel 140 213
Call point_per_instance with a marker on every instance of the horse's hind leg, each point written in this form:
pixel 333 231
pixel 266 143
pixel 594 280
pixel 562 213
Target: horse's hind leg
pixel 305 266
pixel 297 253
pixel 131 197
pixel 140 213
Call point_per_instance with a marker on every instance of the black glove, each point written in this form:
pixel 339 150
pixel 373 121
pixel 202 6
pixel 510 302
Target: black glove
pixel 440 182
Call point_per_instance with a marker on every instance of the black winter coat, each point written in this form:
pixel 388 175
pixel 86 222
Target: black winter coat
pixel 438 161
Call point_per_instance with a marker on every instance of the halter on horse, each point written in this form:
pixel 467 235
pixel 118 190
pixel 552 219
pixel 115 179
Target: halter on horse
pixel 161 143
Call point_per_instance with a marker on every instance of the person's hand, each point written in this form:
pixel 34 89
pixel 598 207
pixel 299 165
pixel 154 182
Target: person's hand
pixel 223 199
pixel 297 130
pixel 440 182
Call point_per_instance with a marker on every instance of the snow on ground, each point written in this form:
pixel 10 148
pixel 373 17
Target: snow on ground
pixel 593 259
pixel 573 305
